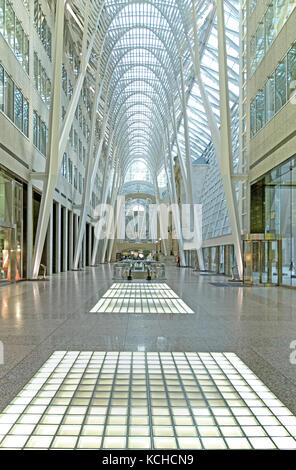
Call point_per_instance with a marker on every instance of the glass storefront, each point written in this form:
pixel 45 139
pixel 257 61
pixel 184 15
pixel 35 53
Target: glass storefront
pixel 262 260
pixel 11 229
pixel 273 211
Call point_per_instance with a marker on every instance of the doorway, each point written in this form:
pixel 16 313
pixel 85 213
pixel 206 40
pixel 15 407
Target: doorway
pixel 262 260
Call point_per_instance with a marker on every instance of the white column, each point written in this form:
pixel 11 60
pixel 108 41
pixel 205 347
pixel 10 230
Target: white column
pixel 174 199
pixel 163 230
pixel 89 244
pixel 70 239
pixel 114 192
pixel 105 189
pixel 49 247
pixel 181 162
pixel 186 135
pixel 197 223
pixel 57 234
pixel 52 167
pixel 65 239
pixel 226 139
pixel 91 167
pixel 29 229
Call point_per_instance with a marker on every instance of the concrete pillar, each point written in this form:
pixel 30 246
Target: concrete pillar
pixel 70 239
pixel 65 239
pixel 49 247
pixel 29 230
pixel 89 245
pixel 57 230
pixel 84 250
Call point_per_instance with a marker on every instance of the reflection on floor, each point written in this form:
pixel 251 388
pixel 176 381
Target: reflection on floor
pixel 140 298
pixel 112 400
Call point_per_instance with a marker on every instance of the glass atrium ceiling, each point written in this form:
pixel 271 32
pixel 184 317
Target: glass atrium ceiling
pixel 138 50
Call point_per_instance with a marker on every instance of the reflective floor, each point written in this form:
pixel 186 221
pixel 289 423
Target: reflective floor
pixel 120 400
pixel 38 319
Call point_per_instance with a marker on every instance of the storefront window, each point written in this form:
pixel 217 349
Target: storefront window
pixel 11 228
pixel 277 200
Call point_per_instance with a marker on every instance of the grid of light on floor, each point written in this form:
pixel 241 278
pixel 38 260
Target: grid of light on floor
pixel 140 298
pixel 111 400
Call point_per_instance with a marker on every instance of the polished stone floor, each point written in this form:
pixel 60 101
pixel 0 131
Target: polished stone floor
pixel 39 318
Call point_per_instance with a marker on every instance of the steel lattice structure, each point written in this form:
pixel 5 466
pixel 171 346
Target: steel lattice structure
pixel 161 73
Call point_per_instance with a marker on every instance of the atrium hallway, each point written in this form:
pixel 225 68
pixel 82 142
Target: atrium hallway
pixel 40 318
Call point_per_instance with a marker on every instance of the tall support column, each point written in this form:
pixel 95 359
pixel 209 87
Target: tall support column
pixel 49 250
pixel 206 103
pixel 181 162
pixel 84 251
pixel 104 199
pixel 186 135
pixel 114 193
pixel 174 199
pixel 226 139
pixel 29 229
pixel 57 234
pixel 197 223
pixel 74 234
pixel 70 239
pixel 118 212
pixel 91 167
pixel 55 155
pixel 52 167
pixel 89 244
pixel 65 240
pixel 163 234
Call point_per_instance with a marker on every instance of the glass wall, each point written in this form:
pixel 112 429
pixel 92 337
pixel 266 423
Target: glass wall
pixel 42 28
pixel 278 89
pixel 219 259
pixel 13 103
pixel 275 196
pixel 271 24
pixel 40 133
pixel 11 229
pixel 12 30
pixel 41 80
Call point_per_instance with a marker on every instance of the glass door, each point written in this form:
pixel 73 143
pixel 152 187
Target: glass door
pixel 262 262
pixel 5 254
pixel 270 273
pixel 248 265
